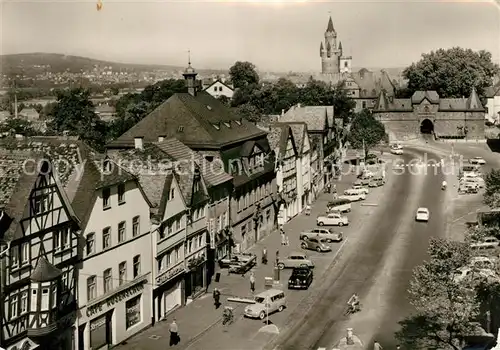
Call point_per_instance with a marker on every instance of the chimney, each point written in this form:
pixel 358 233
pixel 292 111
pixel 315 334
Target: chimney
pixel 161 138
pixel 282 112
pixel 138 142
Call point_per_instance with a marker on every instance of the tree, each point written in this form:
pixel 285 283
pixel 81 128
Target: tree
pixel 366 132
pixel 75 113
pixel 224 99
pixel 492 189
pixel 249 112
pixel 452 72
pixel 243 74
pixel 17 126
pixel 445 311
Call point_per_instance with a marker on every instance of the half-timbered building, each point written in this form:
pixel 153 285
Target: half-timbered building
pixel 38 270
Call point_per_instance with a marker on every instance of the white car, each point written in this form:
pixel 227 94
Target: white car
pixel 397 151
pixel 477 160
pixel 354 197
pixel 359 188
pixel 487 243
pixel 332 219
pixel 422 214
pixel 467 272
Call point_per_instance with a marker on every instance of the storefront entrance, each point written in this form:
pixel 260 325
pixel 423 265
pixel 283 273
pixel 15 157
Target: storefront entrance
pixel 101 329
pixel 172 298
pixel 195 281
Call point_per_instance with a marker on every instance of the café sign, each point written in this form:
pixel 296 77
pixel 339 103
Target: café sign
pixel 168 275
pixel 113 299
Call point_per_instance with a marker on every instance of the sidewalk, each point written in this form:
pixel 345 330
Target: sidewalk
pixel 200 316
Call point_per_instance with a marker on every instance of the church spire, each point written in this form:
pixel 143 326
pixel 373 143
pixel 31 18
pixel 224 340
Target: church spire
pixel 330 26
pixel 340 46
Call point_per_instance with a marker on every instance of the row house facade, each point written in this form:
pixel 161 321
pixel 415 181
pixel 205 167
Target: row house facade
pixel 281 141
pixel 221 137
pixel 40 252
pixel 179 200
pixel 302 144
pixel 324 150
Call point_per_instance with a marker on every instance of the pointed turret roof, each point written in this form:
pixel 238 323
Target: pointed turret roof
pixel 340 45
pixel 473 102
pixel 382 103
pixel 44 271
pixel 321 47
pixel 328 46
pixel 330 26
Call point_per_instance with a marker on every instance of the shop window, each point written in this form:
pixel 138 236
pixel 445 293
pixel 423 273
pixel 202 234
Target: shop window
pixel 133 312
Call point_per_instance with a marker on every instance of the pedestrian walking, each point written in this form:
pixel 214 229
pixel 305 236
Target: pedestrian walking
pixel 277 256
pixel 377 346
pixel 264 256
pixel 216 295
pixel 252 282
pixel 174 333
pixel 283 238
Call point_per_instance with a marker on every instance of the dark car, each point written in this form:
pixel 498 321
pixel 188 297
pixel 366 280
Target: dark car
pixel 301 278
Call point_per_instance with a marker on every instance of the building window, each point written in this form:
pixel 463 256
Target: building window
pixel 24 302
pixel 25 253
pixel 220 88
pixel 34 299
pixel 172 194
pixel 40 204
pixel 13 306
pixel 363 104
pixel 54 297
pixel 121 232
pixel 122 273
pixel 133 311
pixel 62 238
pixel 243 231
pixel 136 221
pixel 268 215
pixel 106 193
pixel 178 224
pixel 91 287
pixel 106 238
pixel 196 187
pixel 14 256
pixel 121 193
pixel 137 266
pixel 108 281
pixel 90 243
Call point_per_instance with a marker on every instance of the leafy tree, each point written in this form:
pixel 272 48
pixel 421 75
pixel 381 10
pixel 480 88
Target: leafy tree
pixel 17 126
pixel 366 131
pixel 243 74
pixel 492 188
pixel 224 99
pixel 249 112
pixel 75 113
pixel 114 90
pixel 445 311
pixel 343 105
pixel 452 72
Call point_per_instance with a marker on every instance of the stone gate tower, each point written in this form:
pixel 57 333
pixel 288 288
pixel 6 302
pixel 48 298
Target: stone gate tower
pixel 332 60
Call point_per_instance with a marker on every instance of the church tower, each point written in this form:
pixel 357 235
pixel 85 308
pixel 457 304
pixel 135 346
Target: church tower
pixel 332 60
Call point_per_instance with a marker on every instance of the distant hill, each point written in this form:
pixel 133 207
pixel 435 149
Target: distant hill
pixel 31 63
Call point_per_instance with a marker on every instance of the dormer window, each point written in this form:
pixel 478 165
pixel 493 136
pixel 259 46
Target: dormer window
pixel 216 126
pixel 180 128
pixel 227 124
pixel 238 122
pixel 209 108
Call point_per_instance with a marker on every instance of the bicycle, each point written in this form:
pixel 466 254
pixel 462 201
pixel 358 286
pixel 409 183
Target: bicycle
pixel 227 316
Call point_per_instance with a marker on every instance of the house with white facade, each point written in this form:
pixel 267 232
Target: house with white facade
pixel 493 104
pixel 115 277
pixel 219 88
pixel 281 141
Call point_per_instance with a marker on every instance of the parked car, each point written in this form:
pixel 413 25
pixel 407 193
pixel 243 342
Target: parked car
pixel 323 233
pixel 354 197
pixel 316 244
pixel 339 205
pixel 483 262
pixel 396 146
pixel 239 263
pixel 477 160
pixel 467 272
pixel 332 219
pixel 468 188
pixel 377 182
pixel 422 214
pixel 360 186
pixel 295 260
pixel 301 278
pixel 397 151
pixel 486 243
pixel 265 303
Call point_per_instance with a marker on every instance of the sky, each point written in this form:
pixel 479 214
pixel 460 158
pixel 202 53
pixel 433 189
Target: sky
pixel 275 36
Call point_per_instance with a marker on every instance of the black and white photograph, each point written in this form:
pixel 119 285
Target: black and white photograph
pixel 249 175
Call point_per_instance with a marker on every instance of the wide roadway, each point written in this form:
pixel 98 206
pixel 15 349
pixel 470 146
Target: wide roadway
pixel 378 265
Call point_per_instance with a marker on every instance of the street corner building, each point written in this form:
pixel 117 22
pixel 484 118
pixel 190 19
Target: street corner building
pixel 454 119
pixel 222 139
pixel 39 254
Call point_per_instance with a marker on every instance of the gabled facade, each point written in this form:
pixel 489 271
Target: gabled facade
pixel 282 141
pixel 39 236
pixel 304 183
pixel 493 104
pixel 114 290
pixel 218 89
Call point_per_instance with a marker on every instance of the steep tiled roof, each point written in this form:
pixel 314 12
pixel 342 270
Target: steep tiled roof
pixel 194 120
pixel 213 172
pixel 314 116
pixel 299 131
pixel 274 137
pixel 44 271
pixel 492 91
pixel 418 96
